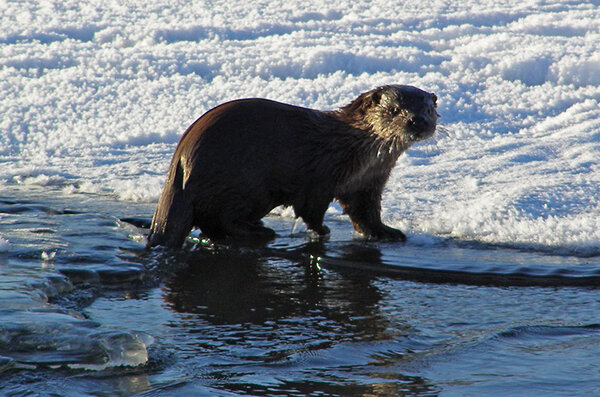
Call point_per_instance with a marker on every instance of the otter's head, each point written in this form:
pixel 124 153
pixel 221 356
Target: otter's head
pixel 399 111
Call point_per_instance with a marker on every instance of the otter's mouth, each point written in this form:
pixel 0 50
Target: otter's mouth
pixel 419 128
pixel 420 135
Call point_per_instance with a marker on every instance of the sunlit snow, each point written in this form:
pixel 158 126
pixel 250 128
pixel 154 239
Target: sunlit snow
pixel 95 95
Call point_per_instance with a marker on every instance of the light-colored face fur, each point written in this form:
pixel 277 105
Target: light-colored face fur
pixel 402 112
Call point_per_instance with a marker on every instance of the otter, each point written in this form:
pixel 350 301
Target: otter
pixel 243 158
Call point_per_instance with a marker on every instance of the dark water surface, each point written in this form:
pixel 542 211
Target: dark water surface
pixel 85 310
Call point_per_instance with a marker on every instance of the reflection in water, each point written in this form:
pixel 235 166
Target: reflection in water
pixel 266 315
pixel 245 286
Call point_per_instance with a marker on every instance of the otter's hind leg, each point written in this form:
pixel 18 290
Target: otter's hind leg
pixel 248 230
pixel 235 217
pixel 236 224
pixel 236 229
pixel 173 218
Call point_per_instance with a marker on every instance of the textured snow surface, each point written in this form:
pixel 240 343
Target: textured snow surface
pixel 95 95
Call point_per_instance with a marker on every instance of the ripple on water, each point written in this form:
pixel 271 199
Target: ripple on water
pixel 520 358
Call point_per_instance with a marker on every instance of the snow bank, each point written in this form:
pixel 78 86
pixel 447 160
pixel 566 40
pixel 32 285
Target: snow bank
pixel 94 98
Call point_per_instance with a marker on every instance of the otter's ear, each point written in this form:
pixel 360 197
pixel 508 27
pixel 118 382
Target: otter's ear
pixel 368 100
pixel 371 100
pixel 376 97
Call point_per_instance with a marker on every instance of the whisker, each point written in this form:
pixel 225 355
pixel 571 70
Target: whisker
pixel 443 130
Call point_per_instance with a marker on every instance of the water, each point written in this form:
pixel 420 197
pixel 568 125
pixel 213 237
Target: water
pixel 85 310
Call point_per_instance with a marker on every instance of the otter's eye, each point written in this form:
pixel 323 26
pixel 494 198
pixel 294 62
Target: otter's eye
pixel 434 98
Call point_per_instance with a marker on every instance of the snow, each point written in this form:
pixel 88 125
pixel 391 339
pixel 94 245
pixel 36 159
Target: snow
pixel 94 97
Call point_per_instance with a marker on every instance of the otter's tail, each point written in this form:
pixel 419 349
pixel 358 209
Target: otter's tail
pixel 173 218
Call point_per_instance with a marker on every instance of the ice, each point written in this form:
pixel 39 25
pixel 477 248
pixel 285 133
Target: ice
pixel 56 337
pixel 94 99
pixel 4 244
pixel 35 332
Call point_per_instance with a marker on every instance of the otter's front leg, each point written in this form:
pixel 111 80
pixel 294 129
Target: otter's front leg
pixel 364 209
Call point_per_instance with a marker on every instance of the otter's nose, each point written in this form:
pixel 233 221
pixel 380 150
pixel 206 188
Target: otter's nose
pixel 418 122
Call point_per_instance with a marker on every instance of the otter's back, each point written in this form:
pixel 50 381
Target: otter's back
pixel 248 138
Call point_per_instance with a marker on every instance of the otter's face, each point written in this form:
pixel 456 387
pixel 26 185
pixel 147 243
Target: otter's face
pixel 404 111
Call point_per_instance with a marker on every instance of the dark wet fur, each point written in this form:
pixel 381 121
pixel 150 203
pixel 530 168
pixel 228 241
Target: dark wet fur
pixel 243 158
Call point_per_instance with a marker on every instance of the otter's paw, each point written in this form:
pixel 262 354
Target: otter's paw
pixel 388 233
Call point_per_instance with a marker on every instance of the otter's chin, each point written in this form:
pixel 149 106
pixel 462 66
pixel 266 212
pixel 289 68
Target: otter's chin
pixel 420 135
